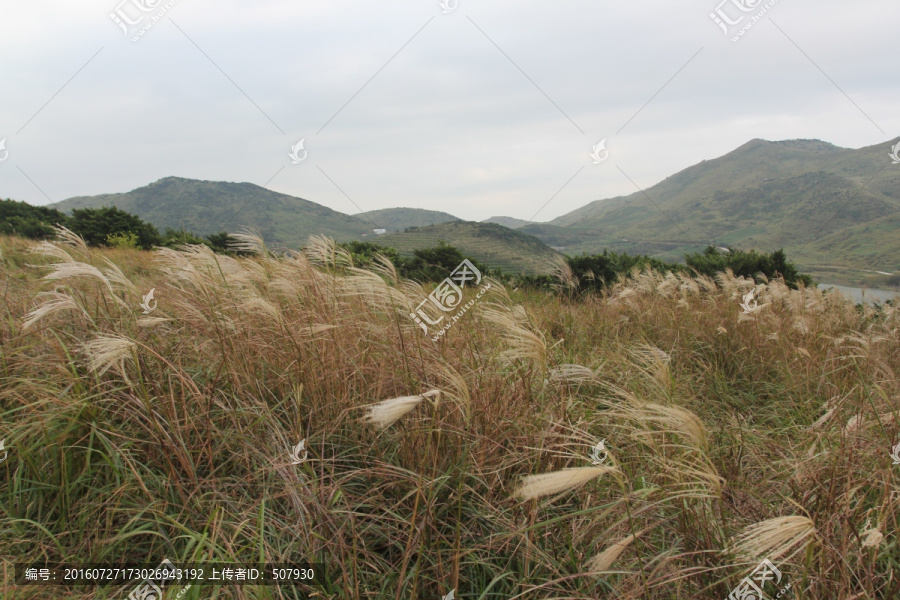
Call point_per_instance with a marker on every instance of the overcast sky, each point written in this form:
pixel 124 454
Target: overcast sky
pixel 490 108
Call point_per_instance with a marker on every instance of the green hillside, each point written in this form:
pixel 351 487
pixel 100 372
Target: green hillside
pixel 872 249
pixel 510 222
pixel 398 219
pixel 493 245
pixel 210 206
pixel 809 197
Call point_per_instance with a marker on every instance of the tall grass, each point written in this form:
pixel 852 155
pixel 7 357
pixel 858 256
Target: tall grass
pixel 463 464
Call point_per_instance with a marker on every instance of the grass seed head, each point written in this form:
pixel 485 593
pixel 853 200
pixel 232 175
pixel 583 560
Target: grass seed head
pixel 546 484
pixel 605 559
pixel 387 412
pixel 773 538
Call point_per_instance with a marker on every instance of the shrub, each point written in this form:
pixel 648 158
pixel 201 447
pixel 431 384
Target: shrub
pixel 596 271
pixel 364 252
pixel 122 240
pixel 436 263
pixel 747 263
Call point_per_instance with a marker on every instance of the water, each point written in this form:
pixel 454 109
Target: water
pixel 868 295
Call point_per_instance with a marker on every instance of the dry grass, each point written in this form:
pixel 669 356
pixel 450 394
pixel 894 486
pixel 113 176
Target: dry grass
pixel 137 437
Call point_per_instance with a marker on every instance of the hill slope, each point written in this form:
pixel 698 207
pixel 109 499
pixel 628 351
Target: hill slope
pixel 398 219
pixel 494 245
pixel 764 195
pixel 208 207
pixel 510 222
pixel 211 206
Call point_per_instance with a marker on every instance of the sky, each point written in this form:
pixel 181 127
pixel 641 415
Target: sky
pixel 478 109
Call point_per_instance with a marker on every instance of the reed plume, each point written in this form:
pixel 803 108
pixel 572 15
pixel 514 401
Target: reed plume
pixel 773 538
pixel 546 484
pixel 387 412
pixel 604 560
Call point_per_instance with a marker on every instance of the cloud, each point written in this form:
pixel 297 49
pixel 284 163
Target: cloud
pixel 487 110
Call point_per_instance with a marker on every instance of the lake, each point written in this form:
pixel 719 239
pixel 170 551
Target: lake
pixel 868 295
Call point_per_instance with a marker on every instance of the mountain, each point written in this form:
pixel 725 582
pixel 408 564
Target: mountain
pixel 821 203
pixel 510 222
pixel 206 207
pixel 211 206
pixel 398 219
pixel 833 210
pixel 494 245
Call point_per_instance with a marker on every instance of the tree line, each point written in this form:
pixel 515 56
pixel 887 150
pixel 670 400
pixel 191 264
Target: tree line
pixel 106 226
pixel 590 272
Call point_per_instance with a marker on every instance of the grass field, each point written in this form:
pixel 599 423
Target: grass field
pixel 729 438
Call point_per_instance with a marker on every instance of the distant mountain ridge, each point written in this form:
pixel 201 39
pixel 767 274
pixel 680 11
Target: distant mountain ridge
pixel 205 207
pixel 823 204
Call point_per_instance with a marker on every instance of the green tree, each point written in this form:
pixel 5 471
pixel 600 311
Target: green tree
pixel 219 241
pixel 593 272
pixel 95 224
pixel 25 220
pixel 436 263
pixel 747 263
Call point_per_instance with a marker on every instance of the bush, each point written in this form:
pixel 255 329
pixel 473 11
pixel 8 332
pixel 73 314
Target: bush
pixel 593 272
pixel 747 263
pixel 179 237
pixel 221 242
pixel 364 253
pixel 426 265
pixel 435 264
pixel 122 240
